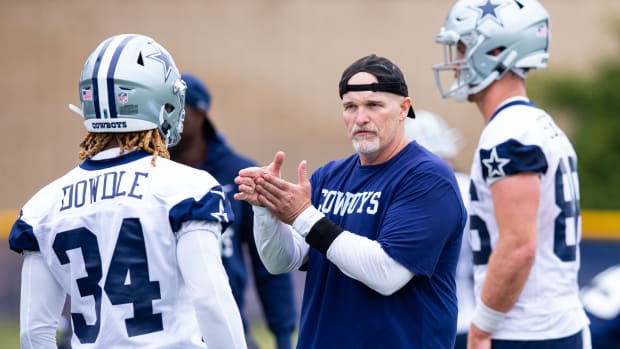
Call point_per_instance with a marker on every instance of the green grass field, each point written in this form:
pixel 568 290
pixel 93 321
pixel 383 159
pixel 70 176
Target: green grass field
pixel 9 335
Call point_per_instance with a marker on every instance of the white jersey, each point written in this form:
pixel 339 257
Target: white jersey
pixel 107 232
pixel 521 138
pixel 464 269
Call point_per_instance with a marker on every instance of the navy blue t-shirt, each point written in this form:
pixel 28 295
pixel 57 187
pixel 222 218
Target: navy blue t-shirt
pixel 412 206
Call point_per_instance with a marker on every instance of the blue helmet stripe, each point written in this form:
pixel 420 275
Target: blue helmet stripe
pixel 94 78
pixel 111 73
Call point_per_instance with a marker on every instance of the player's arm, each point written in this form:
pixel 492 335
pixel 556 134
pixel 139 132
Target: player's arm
pixel 515 201
pixel 200 262
pixel 41 303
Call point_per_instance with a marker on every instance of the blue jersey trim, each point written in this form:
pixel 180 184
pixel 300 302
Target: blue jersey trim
pixel 22 237
pixel 508 105
pixel 512 157
pixel 93 165
pixel 212 207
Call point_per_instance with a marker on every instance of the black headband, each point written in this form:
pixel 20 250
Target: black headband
pixel 392 87
pixel 389 78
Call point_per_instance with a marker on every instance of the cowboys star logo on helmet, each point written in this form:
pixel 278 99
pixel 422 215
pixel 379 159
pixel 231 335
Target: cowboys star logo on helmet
pixel 489 10
pixel 165 60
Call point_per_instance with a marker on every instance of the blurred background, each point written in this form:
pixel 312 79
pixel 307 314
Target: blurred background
pixel 272 67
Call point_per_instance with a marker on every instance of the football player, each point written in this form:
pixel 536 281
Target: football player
pixel 132 237
pixel 524 197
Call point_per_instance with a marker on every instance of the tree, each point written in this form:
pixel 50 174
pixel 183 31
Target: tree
pixel 592 103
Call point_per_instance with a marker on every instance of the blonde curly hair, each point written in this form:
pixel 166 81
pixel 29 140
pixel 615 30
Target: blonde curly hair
pixel 149 141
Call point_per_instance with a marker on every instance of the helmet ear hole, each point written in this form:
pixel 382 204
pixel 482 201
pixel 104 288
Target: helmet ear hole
pixel 169 107
pixel 165 126
pixel 140 59
pixel 496 51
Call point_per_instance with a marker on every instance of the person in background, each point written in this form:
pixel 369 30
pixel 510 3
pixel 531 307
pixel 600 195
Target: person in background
pixel 203 147
pixel 378 232
pixel 601 299
pixel 132 237
pixel 431 131
pixel 525 219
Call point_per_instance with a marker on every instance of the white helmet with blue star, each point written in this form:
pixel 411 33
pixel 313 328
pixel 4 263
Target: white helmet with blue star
pixel 484 39
pixel 130 83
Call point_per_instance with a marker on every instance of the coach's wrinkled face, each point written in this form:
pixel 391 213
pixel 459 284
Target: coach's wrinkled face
pixel 372 119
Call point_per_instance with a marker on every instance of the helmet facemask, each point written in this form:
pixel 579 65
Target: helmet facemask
pixel 171 118
pixel 455 76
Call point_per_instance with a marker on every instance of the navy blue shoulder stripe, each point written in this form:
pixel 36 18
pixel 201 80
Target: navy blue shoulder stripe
pixel 22 238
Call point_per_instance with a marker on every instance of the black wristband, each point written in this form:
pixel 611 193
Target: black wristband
pixel 322 234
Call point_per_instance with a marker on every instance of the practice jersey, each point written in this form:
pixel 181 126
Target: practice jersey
pixel 521 138
pixel 412 207
pixel 107 232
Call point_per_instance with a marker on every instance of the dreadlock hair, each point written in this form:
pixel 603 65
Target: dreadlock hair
pixel 149 141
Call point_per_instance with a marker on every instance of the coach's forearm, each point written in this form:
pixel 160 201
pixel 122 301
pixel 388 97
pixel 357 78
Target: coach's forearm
pixel 364 260
pixel 356 256
pixel 280 249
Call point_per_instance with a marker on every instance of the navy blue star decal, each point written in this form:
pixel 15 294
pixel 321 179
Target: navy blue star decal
pixel 164 59
pixel 488 9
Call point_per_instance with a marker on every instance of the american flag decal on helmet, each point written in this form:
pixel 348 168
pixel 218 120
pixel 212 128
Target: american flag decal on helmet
pixel 87 94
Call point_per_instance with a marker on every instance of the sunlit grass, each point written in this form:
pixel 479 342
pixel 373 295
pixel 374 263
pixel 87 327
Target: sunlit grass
pixel 264 339
pixel 9 335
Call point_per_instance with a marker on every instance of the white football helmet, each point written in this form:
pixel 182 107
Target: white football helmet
pixel 432 132
pixel 130 83
pixel 519 29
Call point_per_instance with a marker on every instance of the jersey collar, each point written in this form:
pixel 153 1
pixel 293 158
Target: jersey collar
pixel 511 102
pixel 105 161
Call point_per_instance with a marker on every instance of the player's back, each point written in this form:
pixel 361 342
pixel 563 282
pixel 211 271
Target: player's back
pixel 110 241
pixel 524 139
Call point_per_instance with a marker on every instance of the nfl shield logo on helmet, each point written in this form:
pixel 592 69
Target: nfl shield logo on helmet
pixel 123 97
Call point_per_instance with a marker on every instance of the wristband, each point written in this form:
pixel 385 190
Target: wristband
pixel 487 319
pixel 322 234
